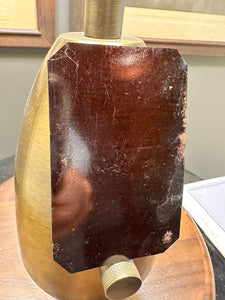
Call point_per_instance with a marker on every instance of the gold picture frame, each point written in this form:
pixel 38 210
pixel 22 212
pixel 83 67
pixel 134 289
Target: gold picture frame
pixel 206 31
pixel 191 32
pixel 32 25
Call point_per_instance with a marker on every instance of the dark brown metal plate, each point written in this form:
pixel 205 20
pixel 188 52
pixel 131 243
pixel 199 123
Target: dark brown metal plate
pixel 116 129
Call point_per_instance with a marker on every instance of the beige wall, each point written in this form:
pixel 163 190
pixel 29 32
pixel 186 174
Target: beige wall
pixel 18 68
pixel 17 71
pixel 205 152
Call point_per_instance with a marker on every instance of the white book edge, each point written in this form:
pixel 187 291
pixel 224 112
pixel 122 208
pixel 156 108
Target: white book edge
pixel 210 227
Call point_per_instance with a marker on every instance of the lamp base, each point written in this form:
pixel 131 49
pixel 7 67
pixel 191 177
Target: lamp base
pixel 173 275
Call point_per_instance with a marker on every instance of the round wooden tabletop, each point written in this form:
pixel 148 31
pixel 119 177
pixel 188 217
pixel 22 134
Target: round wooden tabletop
pixel 183 272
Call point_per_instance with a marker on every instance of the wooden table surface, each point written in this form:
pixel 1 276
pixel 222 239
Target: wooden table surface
pixel 183 272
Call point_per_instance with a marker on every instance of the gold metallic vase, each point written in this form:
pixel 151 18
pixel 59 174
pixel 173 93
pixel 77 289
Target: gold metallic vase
pixel 33 187
pixel 130 123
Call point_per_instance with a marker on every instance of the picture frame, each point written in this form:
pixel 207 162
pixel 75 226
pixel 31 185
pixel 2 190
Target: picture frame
pixel 42 36
pixel 206 31
pixel 191 32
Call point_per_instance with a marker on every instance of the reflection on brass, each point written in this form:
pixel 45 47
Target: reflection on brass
pixel 103 18
pixel 120 280
pixel 79 37
pixel 33 192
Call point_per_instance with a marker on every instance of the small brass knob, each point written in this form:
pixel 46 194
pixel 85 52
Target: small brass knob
pixel 120 280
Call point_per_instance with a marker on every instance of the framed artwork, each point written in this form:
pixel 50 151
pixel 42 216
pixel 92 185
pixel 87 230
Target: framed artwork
pixel 27 23
pixel 194 27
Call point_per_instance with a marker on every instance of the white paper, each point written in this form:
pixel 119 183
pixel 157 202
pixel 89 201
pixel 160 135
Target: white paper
pixel 205 201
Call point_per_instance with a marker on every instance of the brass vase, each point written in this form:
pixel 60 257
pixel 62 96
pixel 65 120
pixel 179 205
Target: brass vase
pixel 118 277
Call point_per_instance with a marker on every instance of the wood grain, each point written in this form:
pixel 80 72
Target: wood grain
pixel 184 272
